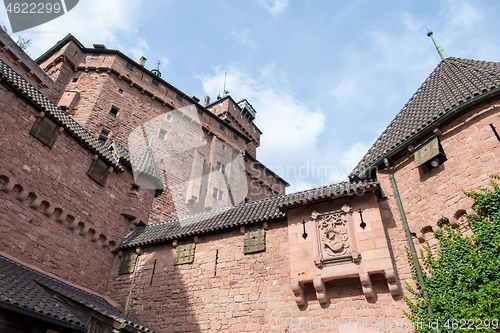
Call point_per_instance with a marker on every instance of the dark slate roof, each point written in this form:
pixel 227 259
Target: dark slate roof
pixel 145 164
pixel 454 82
pixel 9 76
pixel 25 289
pixel 230 217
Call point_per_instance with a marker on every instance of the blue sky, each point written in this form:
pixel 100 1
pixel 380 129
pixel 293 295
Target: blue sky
pixel 326 77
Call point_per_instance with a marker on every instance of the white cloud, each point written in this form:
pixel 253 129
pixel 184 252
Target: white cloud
pixel 290 127
pixel 91 21
pixel 241 36
pixel 274 7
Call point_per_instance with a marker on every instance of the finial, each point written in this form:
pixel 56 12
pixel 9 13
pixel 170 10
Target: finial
pixel 156 71
pixel 151 141
pixel 441 52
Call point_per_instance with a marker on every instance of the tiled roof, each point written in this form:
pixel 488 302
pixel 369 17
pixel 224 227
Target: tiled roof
pixel 121 153
pixel 28 290
pixel 454 82
pixel 8 75
pixel 230 217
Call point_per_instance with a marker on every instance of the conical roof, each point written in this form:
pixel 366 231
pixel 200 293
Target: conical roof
pixel 145 165
pixel 454 82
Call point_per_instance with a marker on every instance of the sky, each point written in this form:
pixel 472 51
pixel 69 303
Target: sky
pixel 325 77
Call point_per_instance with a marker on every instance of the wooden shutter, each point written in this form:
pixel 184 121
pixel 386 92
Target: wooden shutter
pixel 184 253
pixel 427 152
pixel 45 130
pixel 127 263
pixel 99 171
pixel 255 239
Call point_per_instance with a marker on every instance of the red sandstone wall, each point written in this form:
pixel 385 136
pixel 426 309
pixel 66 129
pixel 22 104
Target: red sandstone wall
pixel 52 214
pixel 226 290
pixel 472 152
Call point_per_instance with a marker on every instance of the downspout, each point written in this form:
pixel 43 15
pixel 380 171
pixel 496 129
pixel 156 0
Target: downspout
pixel 416 263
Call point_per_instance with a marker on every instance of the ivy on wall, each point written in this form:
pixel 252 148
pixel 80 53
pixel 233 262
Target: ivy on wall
pixel 463 278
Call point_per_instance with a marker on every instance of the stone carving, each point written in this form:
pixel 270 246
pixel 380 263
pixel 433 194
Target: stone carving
pixel 334 242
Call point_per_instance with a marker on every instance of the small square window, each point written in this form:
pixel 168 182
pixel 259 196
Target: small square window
pixel 221 167
pixel 179 97
pixel 235 136
pixel 120 91
pixel 222 127
pixel 168 117
pixel 255 239
pixel 162 134
pixel 155 82
pixel 99 171
pixel 256 166
pixel 129 66
pixel 127 262
pixel 45 130
pixel 114 112
pixel 75 80
pixel 184 252
pixel 217 194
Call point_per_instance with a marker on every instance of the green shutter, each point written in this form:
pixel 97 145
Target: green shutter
pixel 45 129
pixel 99 171
pixel 255 239
pixel 184 253
pixel 127 263
pixel 427 152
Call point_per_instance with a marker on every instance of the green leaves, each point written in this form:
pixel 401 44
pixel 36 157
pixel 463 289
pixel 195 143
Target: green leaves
pixel 463 278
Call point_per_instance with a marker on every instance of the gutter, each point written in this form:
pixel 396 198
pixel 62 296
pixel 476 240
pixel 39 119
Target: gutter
pixel 428 128
pixel 42 317
pixel 414 256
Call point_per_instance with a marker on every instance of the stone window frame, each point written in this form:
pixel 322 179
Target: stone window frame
pixel 221 168
pixel 104 136
pixel 162 134
pixel 129 66
pixel 46 130
pixel 217 194
pixel 114 111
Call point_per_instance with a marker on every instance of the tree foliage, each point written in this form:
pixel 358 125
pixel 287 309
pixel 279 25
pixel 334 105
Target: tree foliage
pixel 463 278
pixel 23 42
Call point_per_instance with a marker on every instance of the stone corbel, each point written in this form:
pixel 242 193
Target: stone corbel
pixel 320 290
pixel 391 282
pixel 299 292
pixel 366 284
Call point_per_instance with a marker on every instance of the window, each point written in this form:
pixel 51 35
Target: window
pixel 120 91
pixel 184 252
pixel 278 182
pixel 99 171
pixel 221 167
pixel 75 80
pixel 129 66
pixel 155 82
pixel 114 112
pixel 256 166
pixel 134 187
pixel 235 136
pixel 95 56
pixel 234 107
pixel 200 112
pixel 161 136
pixel 222 127
pixel 255 239
pixel 254 129
pixel 217 195
pixel 103 137
pixel 223 147
pixel 248 121
pixel 267 173
pixel 168 117
pixel 179 97
pixel 45 130
pixel 127 262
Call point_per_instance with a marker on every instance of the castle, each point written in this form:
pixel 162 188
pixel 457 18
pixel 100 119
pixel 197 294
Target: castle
pixel 128 206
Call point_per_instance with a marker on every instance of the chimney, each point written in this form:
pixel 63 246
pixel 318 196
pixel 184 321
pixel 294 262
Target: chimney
pixel 207 101
pixel 142 62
